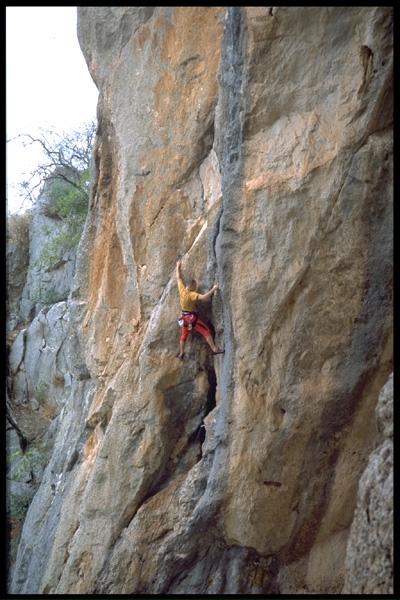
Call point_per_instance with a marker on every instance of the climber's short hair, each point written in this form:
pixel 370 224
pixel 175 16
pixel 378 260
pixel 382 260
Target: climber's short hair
pixel 192 283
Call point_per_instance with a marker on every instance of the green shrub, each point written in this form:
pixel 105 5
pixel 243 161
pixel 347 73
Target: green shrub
pixel 67 200
pixel 61 184
pixel 33 462
pixel 26 461
pixel 49 295
pixel 37 455
pixel 53 251
pixel 17 506
pixel 69 204
pixel 41 390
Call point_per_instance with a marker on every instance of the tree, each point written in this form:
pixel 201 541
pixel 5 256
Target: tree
pixel 61 186
pixel 66 159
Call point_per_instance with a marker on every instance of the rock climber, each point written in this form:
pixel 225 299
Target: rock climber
pixel 190 319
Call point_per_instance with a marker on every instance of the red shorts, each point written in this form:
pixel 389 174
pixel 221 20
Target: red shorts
pixel 197 325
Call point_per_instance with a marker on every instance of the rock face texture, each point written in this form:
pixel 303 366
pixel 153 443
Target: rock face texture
pixel 38 377
pixel 38 362
pixel 30 285
pixel 36 318
pixel 372 572
pixel 254 143
pixel 45 286
pixel 17 263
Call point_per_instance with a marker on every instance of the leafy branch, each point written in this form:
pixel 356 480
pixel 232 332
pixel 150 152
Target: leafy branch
pixel 66 158
pixel 61 186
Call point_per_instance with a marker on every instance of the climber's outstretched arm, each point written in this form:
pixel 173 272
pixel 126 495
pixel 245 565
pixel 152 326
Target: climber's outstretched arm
pixel 208 294
pixel 178 272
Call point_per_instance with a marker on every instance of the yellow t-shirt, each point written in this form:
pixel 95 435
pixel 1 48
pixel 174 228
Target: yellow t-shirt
pixel 188 299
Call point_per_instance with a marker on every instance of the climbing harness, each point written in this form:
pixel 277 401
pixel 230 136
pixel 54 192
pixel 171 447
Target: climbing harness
pixel 190 322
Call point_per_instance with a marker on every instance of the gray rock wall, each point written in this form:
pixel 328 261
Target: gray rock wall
pixel 17 263
pixel 37 320
pixel 38 377
pixel 38 365
pixel 45 287
pixel 369 557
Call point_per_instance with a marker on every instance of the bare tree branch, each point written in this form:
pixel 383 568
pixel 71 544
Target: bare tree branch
pixel 66 157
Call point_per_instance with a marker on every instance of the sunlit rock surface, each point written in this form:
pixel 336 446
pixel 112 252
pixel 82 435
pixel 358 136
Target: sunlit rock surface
pixel 254 143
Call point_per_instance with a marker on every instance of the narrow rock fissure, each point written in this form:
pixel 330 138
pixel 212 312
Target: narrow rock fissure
pixel 199 435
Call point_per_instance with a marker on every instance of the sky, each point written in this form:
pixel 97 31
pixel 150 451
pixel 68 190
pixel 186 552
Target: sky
pixel 48 84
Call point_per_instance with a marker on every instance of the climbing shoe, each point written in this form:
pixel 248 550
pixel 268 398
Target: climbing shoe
pixel 181 356
pixel 218 351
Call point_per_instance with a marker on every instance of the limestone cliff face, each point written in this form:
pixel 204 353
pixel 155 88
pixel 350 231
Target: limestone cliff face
pixel 255 143
pixel 36 307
